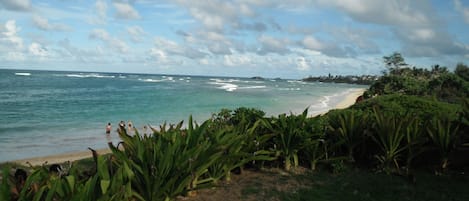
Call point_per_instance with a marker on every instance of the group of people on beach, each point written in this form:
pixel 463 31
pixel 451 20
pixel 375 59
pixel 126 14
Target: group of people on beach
pixel 130 129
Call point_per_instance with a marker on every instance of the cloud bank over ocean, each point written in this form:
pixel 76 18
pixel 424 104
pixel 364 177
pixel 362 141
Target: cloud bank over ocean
pixel 239 37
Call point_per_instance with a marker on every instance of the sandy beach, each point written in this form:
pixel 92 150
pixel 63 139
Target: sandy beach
pixel 59 158
pixel 350 99
pixel 74 156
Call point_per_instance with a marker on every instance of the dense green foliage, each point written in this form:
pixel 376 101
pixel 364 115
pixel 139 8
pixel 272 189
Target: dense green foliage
pixel 437 83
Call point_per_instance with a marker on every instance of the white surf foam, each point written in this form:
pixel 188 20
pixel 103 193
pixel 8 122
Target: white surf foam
pixel 229 87
pixel 296 81
pixel 91 75
pixel 224 84
pixel 23 74
pixel 254 87
pixel 150 80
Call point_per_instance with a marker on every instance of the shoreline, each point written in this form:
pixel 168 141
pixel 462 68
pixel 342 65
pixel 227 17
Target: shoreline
pixel 59 158
pixel 348 100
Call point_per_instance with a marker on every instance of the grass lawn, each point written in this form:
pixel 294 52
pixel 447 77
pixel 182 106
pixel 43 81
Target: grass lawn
pixel 349 185
pixel 362 185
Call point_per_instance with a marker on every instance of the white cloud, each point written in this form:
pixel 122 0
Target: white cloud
pixel 273 45
pixel 204 61
pixel 125 11
pixel 159 55
pixel 16 5
pixel 302 64
pixel 136 33
pixel 359 40
pixel 112 42
pixel 70 52
pixel 173 48
pixel 10 35
pixel 37 49
pixel 43 24
pixel 217 15
pixel 15 56
pixel 312 43
pixel 237 60
pixel 429 43
pixel 100 12
pixel 423 34
pixel 214 36
pixel 463 10
pixel 417 28
pixel 400 13
pixel 11 45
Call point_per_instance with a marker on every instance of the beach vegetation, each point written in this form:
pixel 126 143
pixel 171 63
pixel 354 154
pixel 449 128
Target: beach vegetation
pixel 395 62
pixel 462 70
pixel 411 119
pixel 443 134
pixel 389 135
pixel 349 128
pixel 290 132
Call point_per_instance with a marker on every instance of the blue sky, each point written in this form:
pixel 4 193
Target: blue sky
pixel 270 38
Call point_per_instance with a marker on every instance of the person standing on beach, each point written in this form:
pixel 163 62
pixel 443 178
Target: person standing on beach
pixel 108 132
pixel 108 128
pixel 130 128
pixel 121 126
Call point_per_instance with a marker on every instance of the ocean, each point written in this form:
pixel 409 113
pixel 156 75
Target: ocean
pixel 50 112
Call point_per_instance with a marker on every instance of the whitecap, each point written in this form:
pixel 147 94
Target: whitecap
pixel 150 80
pixel 254 87
pixel 296 81
pixel 23 74
pixel 91 75
pixel 228 87
pixel 246 81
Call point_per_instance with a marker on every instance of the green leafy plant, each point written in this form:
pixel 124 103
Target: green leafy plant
pixel 414 139
pixel 389 135
pixel 349 126
pixel 443 135
pixel 241 146
pixel 170 163
pixel 289 136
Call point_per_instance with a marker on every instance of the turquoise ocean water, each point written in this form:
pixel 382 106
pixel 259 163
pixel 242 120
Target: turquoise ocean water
pixel 50 112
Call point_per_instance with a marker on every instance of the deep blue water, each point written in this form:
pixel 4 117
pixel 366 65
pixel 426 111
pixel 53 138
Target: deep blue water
pixel 49 112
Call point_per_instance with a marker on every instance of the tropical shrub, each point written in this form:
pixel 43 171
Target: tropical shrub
pixel 170 163
pixel 389 135
pixel 401 105
pixel 443 134
pixel 316 146
pixel 349 129
pixel 290 132
pixel 462 71
pixel 449 88
pixel 415 140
